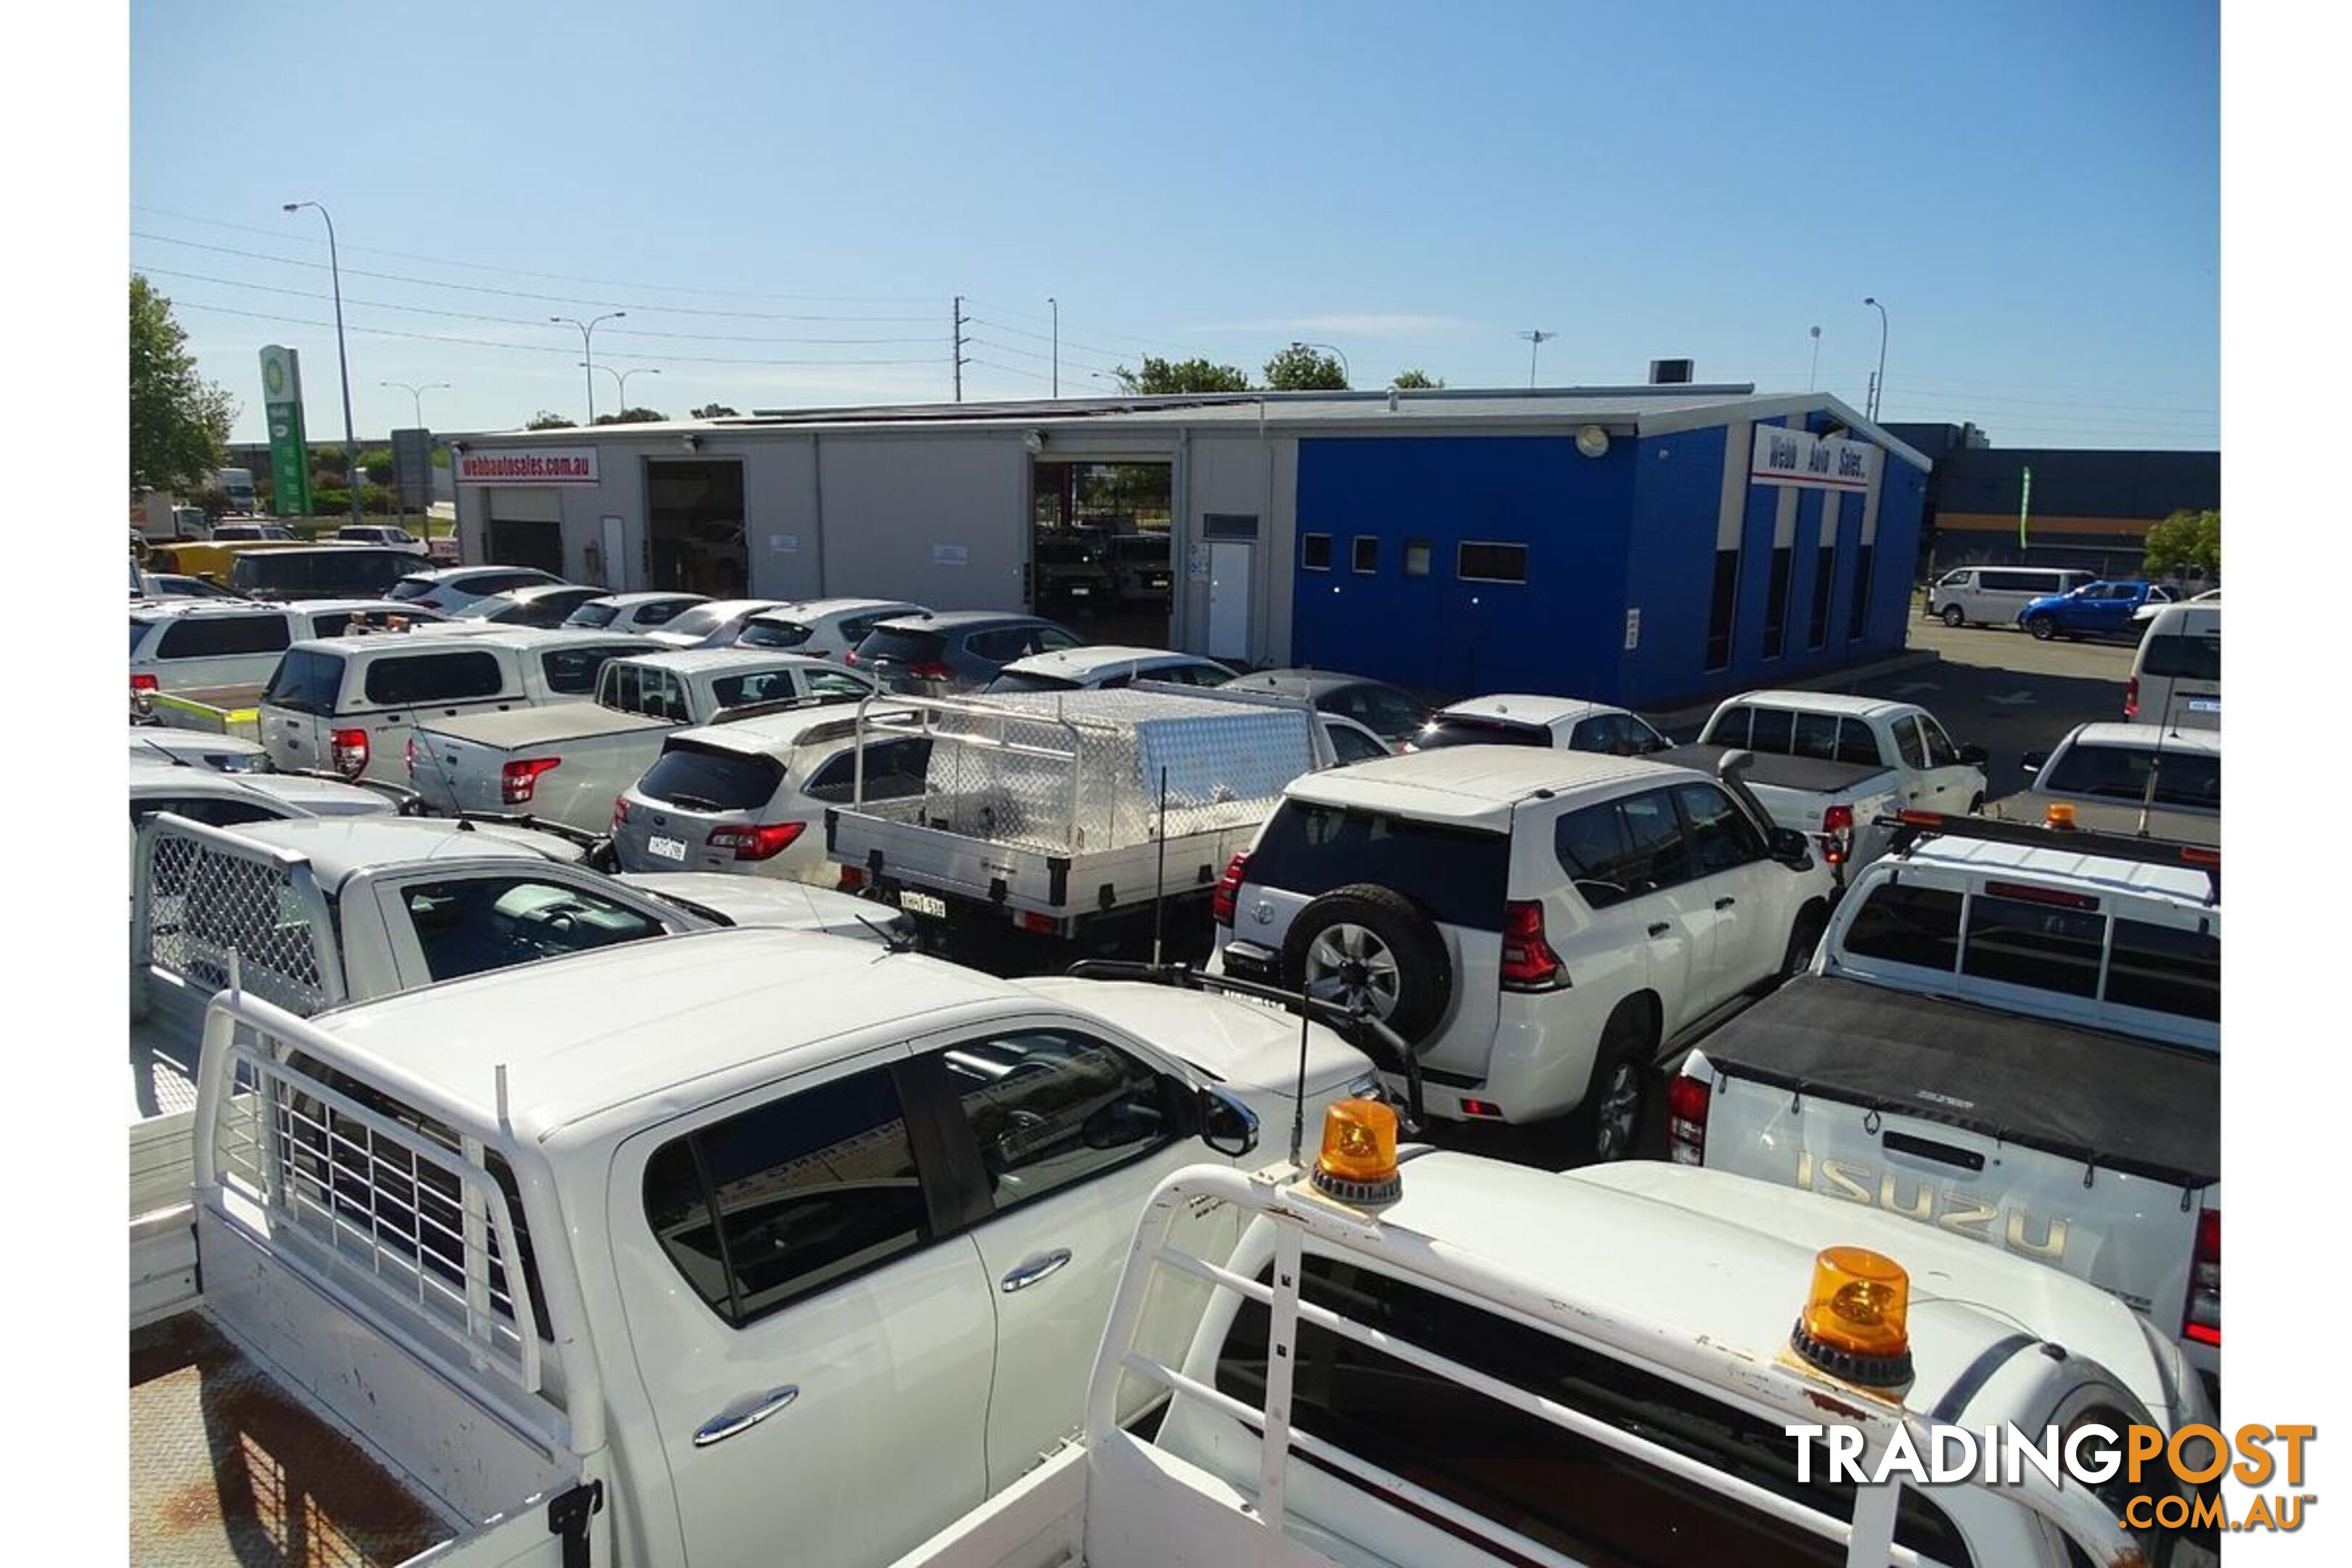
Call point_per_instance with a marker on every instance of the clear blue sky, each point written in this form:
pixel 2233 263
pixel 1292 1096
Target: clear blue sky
pixel 2032 189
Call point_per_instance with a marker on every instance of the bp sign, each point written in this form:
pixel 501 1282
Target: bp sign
pixel 289 452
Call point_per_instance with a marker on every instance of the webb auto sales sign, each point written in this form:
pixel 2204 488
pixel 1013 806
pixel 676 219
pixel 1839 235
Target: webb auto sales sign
pixel 512 465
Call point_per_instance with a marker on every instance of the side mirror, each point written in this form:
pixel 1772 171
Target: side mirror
pixel 2032 761
pixel 1974 756
pixel 1227 1126
pixel 1791 848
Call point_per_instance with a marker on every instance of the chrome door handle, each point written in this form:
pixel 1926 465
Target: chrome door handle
pixel 743 1416
pixel 1034 1269
pixel 1662 928
pixel 1725 902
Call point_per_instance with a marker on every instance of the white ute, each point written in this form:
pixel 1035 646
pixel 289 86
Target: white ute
pixel 716 1248
pixel 1469 1375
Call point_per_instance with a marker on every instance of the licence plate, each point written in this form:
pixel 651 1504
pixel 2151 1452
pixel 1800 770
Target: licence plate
pixel 667 848
pixel 2204 705
pixel 923 904
pixel 1080 592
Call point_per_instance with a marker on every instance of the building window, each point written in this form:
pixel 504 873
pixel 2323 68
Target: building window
pixel 1776 603
pixel 1860 621
pixel 1416 558
pixel 1368 553
pixel 1228 525
pixel 1483 563
pixel 1817 632
pixel 1719 609
pixel 1315 553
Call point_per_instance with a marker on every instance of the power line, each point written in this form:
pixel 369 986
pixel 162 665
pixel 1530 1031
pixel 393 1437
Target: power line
pixel 1009 370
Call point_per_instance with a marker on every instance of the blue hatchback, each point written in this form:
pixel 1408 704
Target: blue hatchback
pixel 2094 609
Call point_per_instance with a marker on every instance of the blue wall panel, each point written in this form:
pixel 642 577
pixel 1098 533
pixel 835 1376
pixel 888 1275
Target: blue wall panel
pixel 1671 572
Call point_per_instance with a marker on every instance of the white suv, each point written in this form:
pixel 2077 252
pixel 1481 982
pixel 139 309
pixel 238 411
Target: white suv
pixel 1538 925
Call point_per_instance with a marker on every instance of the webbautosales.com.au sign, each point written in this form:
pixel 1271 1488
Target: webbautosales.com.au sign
pixel 526 468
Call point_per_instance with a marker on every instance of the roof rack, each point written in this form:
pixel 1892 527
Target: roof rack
pixel 1910 826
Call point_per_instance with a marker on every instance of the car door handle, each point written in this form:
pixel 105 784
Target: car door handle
pixel 1725 902
pixel 1661 928
pixel 744 1414
pixel 1029 1271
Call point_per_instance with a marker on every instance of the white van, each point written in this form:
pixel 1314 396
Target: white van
pixel 1991 595
pixel 2176 680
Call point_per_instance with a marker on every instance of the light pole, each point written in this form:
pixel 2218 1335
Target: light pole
pixel 1814 374
pixel 1345 374
pixel 621 378
pixel 1878 381
pixel 1536 340
pixel 587 352
pixel 342 360
pixel 416 395
pixel 1057 343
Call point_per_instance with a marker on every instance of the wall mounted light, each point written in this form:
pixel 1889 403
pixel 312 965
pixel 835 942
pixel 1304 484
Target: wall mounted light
pixel 1034 441
pixel 693 442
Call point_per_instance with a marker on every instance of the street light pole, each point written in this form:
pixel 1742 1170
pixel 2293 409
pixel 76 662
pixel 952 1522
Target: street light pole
pixel 621 378
pixel 1345 374
pixel 342 359
pixel 1814 374
pixel 587 351
pixel 1536 340
pixel 1057 343
pixel 1878 383
pixel 416 395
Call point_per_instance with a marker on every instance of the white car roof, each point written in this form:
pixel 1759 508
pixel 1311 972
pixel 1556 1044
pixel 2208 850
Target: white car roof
pixel 1822 702
pixel 689 661
pixel 642 596
pixel 1096 658
pixel 1477 785
pixel 154 777
pixel 340 848
pixel 818 609
pixel 457 575
pixel 576 1035
pixel 773 734
pixel 2184 885
pixel 2144 738
pixel 1526 708
pixel 158 743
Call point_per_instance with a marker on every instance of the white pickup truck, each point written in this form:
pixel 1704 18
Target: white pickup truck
pixel 2011 1033
pixel 1832 765
pixel 568 761
pixel 524 1269
pixel 1468 1376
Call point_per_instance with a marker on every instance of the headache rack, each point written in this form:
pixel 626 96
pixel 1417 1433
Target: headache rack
pixel 1908 828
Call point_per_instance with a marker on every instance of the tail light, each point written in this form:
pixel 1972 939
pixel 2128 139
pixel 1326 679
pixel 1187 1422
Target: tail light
pixel 2204 1324
pixel 519 780
pixel 1528 962
pixel 1031 920
pixel 347 751
pixel 408 755
pixel 930 669
pixel 2131 698
pixel 1687 1102
pixel 145 683
pixel 758 841
pixel 853 877
pixel 1837 834
pixel 620 811
pixel 1228 890
pixel 850 656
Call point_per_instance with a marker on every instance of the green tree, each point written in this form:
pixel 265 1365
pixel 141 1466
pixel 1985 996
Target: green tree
pixel 1299 368
pixel 1415 380
pixel 1159 376
pixel 178 423
pixel 714 410
pixel 543 420
pixel 375 463
pixel 2183 540
pixel 633 416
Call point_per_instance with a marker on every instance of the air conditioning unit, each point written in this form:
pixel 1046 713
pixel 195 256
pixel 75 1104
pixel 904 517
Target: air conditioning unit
pixel 1671 372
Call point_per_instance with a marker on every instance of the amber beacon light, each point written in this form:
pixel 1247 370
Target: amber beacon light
pixel 1359 1161
pixel 1852 1326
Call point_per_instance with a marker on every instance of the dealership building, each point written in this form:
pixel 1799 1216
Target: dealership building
pixel 1643 544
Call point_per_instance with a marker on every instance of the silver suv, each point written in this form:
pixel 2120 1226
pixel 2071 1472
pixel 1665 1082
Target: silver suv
pixel 950 652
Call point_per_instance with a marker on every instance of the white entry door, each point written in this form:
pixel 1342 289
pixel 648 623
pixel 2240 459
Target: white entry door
pixel 616 564
pixel 1229 597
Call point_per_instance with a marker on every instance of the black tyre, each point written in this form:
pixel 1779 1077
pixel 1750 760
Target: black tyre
pixel 1804 936
pixel 1953 616
pixel 1603 1126
pixel 1370 945
pixel 2042 627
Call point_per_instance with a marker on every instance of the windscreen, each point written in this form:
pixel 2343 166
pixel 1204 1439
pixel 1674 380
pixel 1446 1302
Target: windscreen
pixel 695 777
pixel 2184 656
pixel 909 646
pixel 1460 875
pixel 593 614
pixel 1012 681
pixel 1449 731
pixel 772 634
pixel 410 588
pixel 2121 772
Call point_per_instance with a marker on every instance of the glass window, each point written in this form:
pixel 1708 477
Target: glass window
pixel 1659 853
pixel 399 682
pixel 1907 743
pixel 1774 731
pixel 1722 837
pixel 212 812
pixel 306 682
pixel 222 636
pixel 1858 743
pixel 756 686
pixel 1367 553
pixel 894 769
pixel 572 671
pixel 1583 1499
pixel 835 683
pixel 1478 563
pixel 480 923
pixel 1817 625
pixel 1730 727
pixel 1722 603
pixel 2183 778
pixel 595 613
pixel 1315 552
pixel 661 612
pixel 2183 656
pixel 1460 729
pixel 1387 711
pixel 765 633
pixel 1458 874
pixel 2021 942
pixel 2166 970
pixel 1228 525
pixel 1416 558
pixel 1052 639
pixel 1904 924
pixel 1050 1108
pixel 1858 620
pixel 1941 752
pixel 1594 851
pixel 1814 735
pixel 1776 600
pixel 1350 744
pixel 781 1202
pixel 695 777
pixel 654 693
pixel 904 646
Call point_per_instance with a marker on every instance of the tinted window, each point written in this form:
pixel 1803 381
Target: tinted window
pixel 1903 923
pixel 1906 744
pixel 1459 876
pixel 1368 553
pixel 220 636
pixel 894 769
pixel 2166 970
pixel 700 620
pixel 1941 752
pixel 706 778
pixel 2020 943
pixel 1817 625
pixel 1383 709
pixel 661 612
pixel 399 682
pixel 1623 848
pixel 1052 639
pixel 410 588
pixel 139 630
pixel 636 689
pixel 1352 745
pixel 572 671
pixel 1729 728
pixel 779 1203
pixel 1773 729
pixel 1315 552
pixel 773 634
pixel 594 613
pixel 2183 778
pixel 1721 836
pixel 2181 656
pixel 908 646
pixel 325 573
pixel 1814 735
pixel 1856 742
pixel 481 923
pixel 1453 730
pixel 1722 603
pixel 201 808
pixel 833 683
pixel 306 682
pixel 1776 600
pixel 1050 1109
pixel 1002 646
pixel 1026 680
pixel 1491 563
pixel 1579 1497
pixel 758 685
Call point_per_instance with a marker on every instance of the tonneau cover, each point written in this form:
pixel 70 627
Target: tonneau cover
pixel 1775 770
pixel 2129 1105
pixel 544 725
